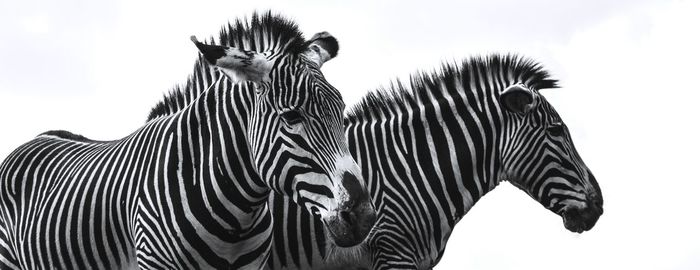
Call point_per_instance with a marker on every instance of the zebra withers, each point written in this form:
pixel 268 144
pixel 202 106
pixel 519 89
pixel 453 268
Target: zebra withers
pixel 189 189
pixel 430 149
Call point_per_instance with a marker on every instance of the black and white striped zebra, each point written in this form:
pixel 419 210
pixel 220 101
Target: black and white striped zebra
pixel 189 189
pixel 431 148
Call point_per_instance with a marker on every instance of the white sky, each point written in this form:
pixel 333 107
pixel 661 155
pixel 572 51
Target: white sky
pixel 628 69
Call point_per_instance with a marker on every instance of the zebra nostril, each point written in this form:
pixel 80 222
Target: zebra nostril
pixel 345 217
pixel 596 204
pixel 599 206
pixel 352 186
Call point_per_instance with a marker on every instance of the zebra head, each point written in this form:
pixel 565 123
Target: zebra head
pixel 296 133
pixel 540 158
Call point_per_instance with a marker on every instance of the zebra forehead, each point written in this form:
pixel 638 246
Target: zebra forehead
pixel 320 92
pixel 309 94
pixel 321 105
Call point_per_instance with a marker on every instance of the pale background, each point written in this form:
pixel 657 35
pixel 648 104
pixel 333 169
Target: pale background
pixel 628 70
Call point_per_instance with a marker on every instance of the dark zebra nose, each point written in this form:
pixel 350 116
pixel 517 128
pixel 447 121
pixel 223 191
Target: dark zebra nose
pixel 353 187
pixel 580 220
pixel 356 196
pixel 346 217
pixel 355 217
pixel 597 204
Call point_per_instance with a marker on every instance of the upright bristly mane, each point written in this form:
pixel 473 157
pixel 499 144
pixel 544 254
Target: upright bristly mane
pixel 399 95
pixel 255 34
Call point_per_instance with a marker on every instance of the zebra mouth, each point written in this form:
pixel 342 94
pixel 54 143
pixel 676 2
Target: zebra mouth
pixel 330 233
pixel 341 239
pixel 341 236
pixel 348 229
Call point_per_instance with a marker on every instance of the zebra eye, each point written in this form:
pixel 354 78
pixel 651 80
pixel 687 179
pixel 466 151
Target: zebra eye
pixel 556 129
pixel 291 117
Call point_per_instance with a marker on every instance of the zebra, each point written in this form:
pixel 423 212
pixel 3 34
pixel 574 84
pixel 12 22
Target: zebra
pixel 429 150
pixel 188 190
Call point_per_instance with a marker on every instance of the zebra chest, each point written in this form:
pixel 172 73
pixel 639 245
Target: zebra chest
pixel 191 236
pixel 422 241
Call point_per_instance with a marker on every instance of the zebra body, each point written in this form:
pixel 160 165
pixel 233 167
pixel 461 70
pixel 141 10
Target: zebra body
pixel 113 203
pixel 430 150
pixel 189 189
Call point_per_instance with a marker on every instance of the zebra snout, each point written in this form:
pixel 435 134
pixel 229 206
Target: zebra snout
pixel 580 220
pixel 362 215
pixel 596 203
pixel 355 216
pixel 346 217
pixel 358 210
pixel 350 227
pixel 352 185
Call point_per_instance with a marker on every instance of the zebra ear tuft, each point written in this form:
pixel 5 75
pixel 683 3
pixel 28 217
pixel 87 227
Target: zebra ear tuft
pixel 322 47
pixel 517 98
pixel 210 52
pixel 238 65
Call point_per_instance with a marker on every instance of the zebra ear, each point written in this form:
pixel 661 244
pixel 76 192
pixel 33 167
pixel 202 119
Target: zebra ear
pixel 517 98
pixel 321 48
pixel 237 64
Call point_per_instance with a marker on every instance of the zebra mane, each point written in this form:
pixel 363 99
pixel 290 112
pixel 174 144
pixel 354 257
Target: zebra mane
pixel 398 94
pixel 247 35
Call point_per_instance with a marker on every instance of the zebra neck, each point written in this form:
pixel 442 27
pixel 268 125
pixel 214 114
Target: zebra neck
pixel 215 155
pixel 445 145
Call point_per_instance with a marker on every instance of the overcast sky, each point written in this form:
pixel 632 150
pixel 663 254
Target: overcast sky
pixel 628 69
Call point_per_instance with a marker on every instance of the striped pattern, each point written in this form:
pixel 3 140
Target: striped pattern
pixel 189 189
pixel 431 149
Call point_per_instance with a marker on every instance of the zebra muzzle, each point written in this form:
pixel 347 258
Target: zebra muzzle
pixel 354 219
pixel 580 220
